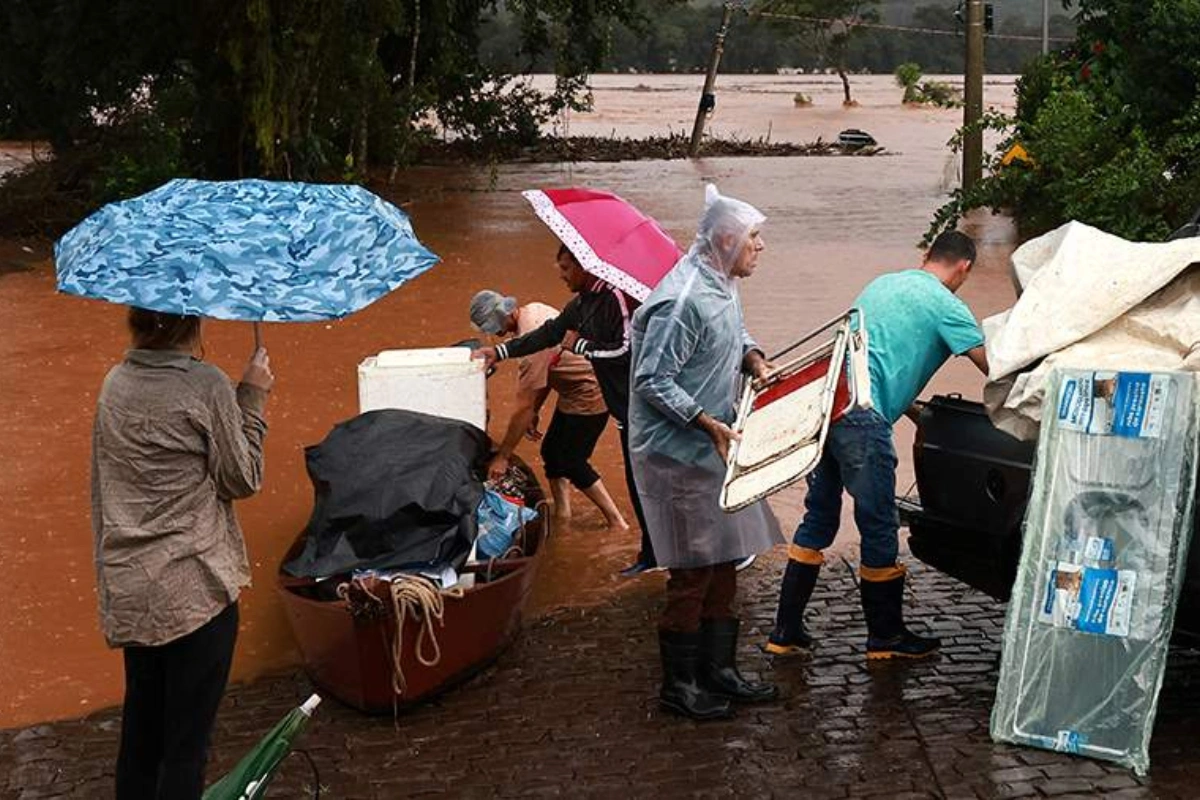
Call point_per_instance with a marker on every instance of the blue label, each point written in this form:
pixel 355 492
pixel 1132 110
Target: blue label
pixel 1069 742
pixel 1096 596
pixel 1129 403
pixel 1050 584
pixel 1106 550
pixel 1065 399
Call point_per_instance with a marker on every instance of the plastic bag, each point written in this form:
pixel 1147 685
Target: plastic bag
pixel 499 519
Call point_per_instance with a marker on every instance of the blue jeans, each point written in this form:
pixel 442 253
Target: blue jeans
pixel 859 457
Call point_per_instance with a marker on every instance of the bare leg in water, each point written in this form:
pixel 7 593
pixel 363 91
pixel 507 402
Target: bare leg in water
pixel 597 493
pixel 603 500
pixel 561 489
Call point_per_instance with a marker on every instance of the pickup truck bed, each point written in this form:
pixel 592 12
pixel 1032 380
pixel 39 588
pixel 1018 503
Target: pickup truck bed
pixel 972 487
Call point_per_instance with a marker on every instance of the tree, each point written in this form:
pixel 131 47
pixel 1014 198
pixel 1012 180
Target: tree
pixel 829 27
pixel 908 75
pixel 1110 127
pixel 131 92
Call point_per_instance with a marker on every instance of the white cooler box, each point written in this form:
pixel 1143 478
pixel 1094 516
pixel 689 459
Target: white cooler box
pixel 442 381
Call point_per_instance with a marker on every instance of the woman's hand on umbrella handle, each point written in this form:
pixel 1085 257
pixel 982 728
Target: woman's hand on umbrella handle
pixel 485 354
pixel 258 371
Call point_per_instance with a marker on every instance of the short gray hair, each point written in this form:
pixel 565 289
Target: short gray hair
pixel 490 310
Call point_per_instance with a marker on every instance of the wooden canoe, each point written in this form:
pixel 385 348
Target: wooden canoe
pixel 351 659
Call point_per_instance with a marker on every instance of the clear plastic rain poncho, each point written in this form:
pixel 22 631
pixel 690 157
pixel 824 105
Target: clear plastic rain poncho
pixel 689 340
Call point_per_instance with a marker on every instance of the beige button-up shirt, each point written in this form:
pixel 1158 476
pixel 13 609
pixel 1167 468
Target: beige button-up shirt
pixel 173 445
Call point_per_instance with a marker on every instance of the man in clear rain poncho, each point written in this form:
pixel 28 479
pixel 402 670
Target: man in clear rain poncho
pixel 690 350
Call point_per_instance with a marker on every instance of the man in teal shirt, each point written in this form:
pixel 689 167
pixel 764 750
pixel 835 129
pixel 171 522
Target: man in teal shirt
pixel 914 324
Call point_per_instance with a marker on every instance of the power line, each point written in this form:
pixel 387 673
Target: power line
pixel 879 26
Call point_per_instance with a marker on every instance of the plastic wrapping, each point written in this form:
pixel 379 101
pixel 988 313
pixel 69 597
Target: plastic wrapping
pixel 1130 303
pixel 1105 548
pixel 393 489
pixel 689 342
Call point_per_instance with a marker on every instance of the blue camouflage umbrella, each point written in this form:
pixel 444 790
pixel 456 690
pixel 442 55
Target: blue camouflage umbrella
pixel 243 250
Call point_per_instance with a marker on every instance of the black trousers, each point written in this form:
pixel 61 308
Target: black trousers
pixel 171 696
pixel 647 553
pixel 569 443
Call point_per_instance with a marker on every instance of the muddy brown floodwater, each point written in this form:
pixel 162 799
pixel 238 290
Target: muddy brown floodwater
pixel 834 223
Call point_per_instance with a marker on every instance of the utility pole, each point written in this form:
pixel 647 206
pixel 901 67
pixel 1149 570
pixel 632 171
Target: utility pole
pixel 708 100
pixel 973 96
pixel 1045 27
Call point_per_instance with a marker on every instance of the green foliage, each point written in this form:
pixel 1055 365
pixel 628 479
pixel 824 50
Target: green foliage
pixel 131 91
pixel 146 153
pixel 940 94
pixel 918 92
pixel 1111 127
pixel 908 75
pixel 830 38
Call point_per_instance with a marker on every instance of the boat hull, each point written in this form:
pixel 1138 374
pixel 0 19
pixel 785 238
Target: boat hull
pixel 351 659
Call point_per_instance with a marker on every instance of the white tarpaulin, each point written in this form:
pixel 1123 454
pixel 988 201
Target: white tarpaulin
pixel 1095 301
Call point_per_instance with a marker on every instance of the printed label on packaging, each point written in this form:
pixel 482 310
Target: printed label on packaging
pixel 1075 403
pixel 1129 404
pixel 1089 599
pixel 1140 404
pixel 1098 550
pixel 1069 741
pixel 1060 607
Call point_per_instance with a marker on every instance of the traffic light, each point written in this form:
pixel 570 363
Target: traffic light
pixel 989 19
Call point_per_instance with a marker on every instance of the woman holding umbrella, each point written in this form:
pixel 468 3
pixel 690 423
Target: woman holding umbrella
pixel 174 444
pixel 594 325
pixel 612 256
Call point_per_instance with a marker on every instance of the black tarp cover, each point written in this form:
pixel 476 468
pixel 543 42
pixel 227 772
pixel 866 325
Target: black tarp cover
pixel 393 489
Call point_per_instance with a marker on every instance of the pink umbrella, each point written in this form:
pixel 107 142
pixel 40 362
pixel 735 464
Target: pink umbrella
pixel 612 240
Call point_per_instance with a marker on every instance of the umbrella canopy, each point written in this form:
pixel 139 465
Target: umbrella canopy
pixel 610 238
pixel 243 250
pixel 249 778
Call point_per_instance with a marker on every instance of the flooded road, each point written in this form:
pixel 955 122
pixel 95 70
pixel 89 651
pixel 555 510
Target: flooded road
pixel 834 223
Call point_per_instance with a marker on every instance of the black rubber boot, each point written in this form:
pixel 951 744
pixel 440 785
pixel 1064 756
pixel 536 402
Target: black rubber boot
pixel 883 606
pixel 718 664
pixel 789 636
pixel 681 690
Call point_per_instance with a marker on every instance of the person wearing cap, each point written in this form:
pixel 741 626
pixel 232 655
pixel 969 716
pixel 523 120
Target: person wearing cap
pixel 595 325
pixel 690 351
pixel 914 322
pixel 579 414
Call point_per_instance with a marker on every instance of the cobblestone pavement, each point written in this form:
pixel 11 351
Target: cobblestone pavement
pixel 570 711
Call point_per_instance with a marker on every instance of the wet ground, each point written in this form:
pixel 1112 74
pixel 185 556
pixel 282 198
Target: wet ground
pixel 570 710
pixel 834 224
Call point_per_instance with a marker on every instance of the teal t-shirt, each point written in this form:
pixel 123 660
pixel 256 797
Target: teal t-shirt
pixel 914 324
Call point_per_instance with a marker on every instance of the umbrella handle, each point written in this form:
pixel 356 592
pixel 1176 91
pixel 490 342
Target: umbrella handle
pixel 258 339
